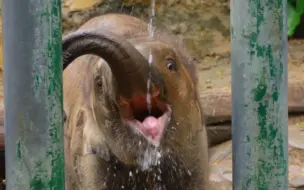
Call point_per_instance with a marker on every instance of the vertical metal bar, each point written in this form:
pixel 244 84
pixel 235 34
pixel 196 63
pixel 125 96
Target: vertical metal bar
pixel 259 94
pixel 33 94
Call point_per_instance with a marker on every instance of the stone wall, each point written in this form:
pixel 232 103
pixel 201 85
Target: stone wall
pixel 202 24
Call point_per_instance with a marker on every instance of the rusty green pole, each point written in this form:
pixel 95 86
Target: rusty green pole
pixel 259 94
pixel 34 148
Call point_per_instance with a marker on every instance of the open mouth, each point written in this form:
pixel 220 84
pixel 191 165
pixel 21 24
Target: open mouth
pixel 150 120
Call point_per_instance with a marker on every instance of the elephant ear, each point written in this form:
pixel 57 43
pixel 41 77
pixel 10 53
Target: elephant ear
pixel 94 140
pixel 190 65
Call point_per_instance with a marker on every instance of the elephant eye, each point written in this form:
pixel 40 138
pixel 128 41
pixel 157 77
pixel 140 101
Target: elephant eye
pixel 171 65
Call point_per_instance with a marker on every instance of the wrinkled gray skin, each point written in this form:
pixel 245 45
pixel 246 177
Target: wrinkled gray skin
pixel 103 152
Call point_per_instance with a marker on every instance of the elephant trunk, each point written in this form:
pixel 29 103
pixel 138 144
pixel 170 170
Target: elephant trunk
pixel 129 67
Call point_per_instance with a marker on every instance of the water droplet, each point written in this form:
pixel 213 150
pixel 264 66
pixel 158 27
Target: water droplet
pixel 150 158
pixel 159 177
pixel 189 173
pixel 150 58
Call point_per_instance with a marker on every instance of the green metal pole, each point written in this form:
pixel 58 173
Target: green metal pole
pixel 33 95
pixel 259 94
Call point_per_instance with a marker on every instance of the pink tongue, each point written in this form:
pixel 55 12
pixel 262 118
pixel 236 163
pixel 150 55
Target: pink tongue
pixel 150 126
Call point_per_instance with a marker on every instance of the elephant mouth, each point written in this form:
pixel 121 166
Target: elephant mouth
pixel 149 120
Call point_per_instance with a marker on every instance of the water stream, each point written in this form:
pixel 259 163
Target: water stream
pixel 151 155
pixel 151 30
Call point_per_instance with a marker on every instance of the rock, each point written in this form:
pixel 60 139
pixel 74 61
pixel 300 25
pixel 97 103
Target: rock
pixel 76 5
pixel 203 26
pixel 217 108
pixel 217 102
pixel 218 134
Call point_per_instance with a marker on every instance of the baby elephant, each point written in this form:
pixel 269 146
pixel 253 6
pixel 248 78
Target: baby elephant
pixel 133 118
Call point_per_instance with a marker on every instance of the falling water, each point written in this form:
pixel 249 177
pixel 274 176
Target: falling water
pixel 151 30
pixel 151 156
pixel 151 27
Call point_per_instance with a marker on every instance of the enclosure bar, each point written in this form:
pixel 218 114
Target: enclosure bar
pixel 33 95
pixel 259 94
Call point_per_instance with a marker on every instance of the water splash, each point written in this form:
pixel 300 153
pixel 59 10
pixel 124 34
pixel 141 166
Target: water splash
pixel 151 157
pixel 151 30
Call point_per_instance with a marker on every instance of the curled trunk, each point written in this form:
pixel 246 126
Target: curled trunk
pixel 129 67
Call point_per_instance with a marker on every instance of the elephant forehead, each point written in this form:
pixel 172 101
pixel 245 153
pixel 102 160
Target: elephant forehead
pixel 154 47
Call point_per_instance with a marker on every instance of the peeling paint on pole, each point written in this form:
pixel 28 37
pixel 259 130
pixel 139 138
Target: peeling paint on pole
pixel 259 94
pixel 33 94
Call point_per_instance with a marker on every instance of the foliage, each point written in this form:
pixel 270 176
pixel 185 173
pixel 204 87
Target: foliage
pixel 295 9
